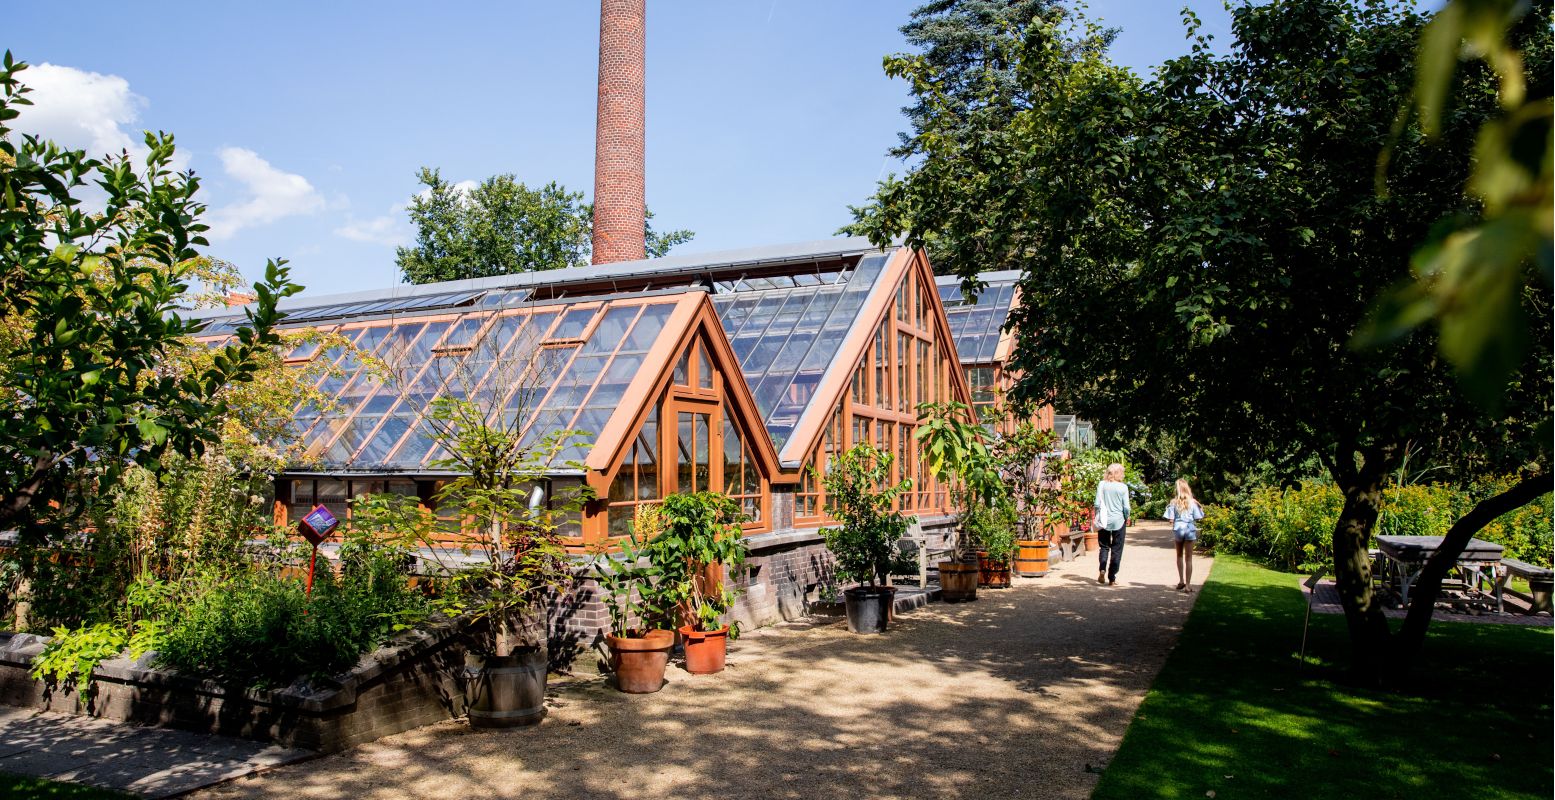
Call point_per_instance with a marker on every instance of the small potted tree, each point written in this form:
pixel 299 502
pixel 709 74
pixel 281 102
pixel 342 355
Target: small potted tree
pixel 511 560
pixel 1024 460
pixel 641 602
pixel 859 496
pixel 996 539
pixel 957 453
pixel 701 537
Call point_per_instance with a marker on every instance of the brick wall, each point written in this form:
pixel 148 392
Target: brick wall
pixel 619 204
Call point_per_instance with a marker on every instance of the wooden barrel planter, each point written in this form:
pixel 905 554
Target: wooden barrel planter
pixel 957 581
pixel 991 574
pixel 1031 557
pixel 506 691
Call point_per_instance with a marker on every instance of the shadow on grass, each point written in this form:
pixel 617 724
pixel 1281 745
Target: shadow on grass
pixel 1234 711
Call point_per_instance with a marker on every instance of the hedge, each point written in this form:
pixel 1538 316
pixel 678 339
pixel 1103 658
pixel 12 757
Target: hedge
pixel 1293 528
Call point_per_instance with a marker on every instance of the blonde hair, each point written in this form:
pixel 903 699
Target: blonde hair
pixel 1114 469
pixel 1184 496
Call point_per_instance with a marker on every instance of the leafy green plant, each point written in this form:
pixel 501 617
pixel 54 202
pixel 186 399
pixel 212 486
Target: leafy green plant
pixel 636 592
pixel 701 531
pixel 71 655
pixel 858 496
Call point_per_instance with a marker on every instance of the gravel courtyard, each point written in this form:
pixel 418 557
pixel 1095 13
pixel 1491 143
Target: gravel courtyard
pixel 1025 693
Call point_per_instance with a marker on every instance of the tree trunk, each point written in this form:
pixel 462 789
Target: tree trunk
pixel 1426 588
pixel 1367 626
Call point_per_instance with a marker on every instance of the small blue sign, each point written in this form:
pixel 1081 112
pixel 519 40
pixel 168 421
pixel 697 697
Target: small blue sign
pixel 318 524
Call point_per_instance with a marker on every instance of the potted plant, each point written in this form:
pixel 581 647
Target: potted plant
pixel 957 453
pixel 864 546
pixel 1025 459
pixel 996 538
pixel 511 560
pixel 641 602
pixel 701 537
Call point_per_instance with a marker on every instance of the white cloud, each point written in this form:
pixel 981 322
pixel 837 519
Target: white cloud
pixel 391 229
pixel 272 194
pixel 462 187
pixel 81 110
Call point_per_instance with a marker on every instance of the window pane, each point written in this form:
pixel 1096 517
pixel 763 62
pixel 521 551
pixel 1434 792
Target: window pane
pixel 573 323
pixel 647 328
pixel 704 368
pixel 611 330
pixel 683 450
pixel 647 461
pixel 703 462
pixel 732 449
pixel 683 369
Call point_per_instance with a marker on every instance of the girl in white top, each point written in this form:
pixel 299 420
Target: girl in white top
pixel 1184 512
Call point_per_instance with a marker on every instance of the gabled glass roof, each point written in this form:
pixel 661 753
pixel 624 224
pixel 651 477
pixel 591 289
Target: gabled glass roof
pixel 975 323
pixel 786 335
pixel 539 369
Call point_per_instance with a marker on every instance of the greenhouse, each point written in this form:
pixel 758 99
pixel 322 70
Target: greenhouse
pixel 738 372
pixel 985 346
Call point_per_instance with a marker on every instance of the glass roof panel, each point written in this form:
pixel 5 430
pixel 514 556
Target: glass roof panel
pixel 786 339
pixel 573 324
pixel 975 325
pixel 377 426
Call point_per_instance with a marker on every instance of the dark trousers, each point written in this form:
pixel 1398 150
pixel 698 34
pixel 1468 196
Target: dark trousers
pixel 1110 546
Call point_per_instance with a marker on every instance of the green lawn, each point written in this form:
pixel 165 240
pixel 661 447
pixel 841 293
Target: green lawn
pixel 1232 713
pixel 24 788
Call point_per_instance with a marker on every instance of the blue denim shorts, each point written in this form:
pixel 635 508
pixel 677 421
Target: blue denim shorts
pixel 1185 536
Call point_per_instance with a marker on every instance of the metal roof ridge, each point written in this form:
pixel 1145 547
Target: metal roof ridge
pixel 690 263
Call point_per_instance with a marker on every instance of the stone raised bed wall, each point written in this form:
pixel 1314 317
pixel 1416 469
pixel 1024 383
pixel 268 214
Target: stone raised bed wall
pixel 413 682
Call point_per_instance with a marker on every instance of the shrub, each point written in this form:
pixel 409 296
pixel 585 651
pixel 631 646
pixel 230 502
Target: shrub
pixel 1293 528
pixel 255 628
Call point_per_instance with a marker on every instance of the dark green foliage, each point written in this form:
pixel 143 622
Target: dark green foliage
pixel 1233 713
pixel 700 529
pixel 1293 528
pixel 87 320
pixel 858 495
pixel 502 227
pixel 1199 248
pixel 261 630
pixel 21 786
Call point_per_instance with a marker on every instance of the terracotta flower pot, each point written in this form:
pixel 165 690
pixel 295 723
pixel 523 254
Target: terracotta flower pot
pixel 639 662
pixel 1090 542
pixel 705 650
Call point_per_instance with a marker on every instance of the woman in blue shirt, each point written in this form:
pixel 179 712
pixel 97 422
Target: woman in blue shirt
pixel 1184 512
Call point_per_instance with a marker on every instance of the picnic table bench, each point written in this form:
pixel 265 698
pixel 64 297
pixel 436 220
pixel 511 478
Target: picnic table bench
pixel 1403 557
pixel 1540 582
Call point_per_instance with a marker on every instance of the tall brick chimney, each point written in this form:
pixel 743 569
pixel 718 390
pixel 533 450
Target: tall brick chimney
pixel 619 205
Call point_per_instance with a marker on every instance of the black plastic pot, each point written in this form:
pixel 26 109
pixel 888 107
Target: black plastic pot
pixel 506 691
pixel 869 608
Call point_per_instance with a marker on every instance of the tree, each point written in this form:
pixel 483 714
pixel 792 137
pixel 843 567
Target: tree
pixel 964 44
pixel 1198 250
pixel 88 320
pixel 502 227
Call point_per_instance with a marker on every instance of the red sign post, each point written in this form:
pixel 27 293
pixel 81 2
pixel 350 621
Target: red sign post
pixel 316 527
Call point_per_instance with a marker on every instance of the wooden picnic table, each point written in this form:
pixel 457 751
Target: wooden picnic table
pixel 1403 557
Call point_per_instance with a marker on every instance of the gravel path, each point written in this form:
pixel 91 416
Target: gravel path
pixel 1021 694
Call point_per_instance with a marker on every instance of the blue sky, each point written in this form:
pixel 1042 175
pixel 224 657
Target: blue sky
pixel 308 121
